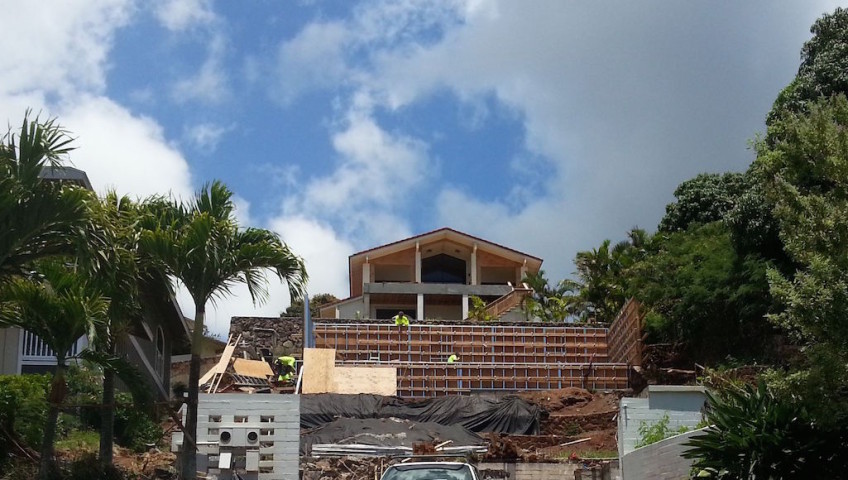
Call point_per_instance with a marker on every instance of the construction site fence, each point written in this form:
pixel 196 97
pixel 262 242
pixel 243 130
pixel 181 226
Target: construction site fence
pixel 429 380
pixel 472 343
pixel 624 339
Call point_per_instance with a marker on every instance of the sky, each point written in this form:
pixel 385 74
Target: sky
pixel 546 126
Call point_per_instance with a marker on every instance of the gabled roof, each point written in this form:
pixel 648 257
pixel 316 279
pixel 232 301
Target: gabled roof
pixel 442 233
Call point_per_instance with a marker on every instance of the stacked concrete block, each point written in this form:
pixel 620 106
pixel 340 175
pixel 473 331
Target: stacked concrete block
pixel 256 436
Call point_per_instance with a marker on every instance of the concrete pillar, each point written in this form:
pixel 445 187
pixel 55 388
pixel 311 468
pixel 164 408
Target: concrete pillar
pixel 419 312
pixel 464 307
pixel 522 272
pixel 366 305
pixel 474 265
pixel 417 263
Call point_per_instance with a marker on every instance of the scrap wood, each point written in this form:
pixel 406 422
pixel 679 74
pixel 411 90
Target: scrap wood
pixel 252 368
pixel 575 442
pixel 222 364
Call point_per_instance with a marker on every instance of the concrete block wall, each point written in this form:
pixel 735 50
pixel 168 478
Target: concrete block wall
pixel 276 416
pixel 659 461
pixel 634 411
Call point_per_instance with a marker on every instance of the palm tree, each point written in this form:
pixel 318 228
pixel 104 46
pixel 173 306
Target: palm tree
pixel 199 243
pixel 36 216
pixel 59 306
pixel 112 260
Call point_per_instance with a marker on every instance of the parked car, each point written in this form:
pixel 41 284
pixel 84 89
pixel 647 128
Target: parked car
pixel 431 471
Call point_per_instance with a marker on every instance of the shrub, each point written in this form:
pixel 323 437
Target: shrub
pixel 23 406
pixel 654 432
pixel 88 468
pixel 134 428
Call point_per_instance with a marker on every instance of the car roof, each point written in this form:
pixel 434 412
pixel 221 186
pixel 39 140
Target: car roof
pixel 422 465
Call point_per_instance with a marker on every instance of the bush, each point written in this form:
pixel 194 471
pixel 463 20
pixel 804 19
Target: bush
pixel 654 432
pixel 134 428
pixel 23 406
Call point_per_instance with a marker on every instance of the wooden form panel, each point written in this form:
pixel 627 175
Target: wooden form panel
pixel 370 379
pixel 318 368
pixel 473 343
pixel 625 335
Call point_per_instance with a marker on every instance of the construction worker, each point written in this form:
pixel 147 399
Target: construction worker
pixel 401 320
pixel 285 369
pixel 452 358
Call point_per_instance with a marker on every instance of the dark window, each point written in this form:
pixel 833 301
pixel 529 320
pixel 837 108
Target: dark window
pixel 442 268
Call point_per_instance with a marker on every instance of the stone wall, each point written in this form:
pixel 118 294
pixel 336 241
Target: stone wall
pixel 280 336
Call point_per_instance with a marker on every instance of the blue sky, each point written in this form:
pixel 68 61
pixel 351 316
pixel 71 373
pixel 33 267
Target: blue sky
pixel 546 125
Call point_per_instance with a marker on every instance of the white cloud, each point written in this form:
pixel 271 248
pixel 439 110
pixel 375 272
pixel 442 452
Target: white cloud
pixel 177 15
pixel 619 103
pixel 133 157
pixel 206 136
pixel 210 84
pixel 58 46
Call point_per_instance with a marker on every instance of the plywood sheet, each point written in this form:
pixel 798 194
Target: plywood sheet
pixel 252 368
pixel 373 380
pixel 318 368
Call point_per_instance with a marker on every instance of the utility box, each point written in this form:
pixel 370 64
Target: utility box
pixel 253 437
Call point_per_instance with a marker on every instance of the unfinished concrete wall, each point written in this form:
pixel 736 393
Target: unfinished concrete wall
pixel 633 412
pixel 274 418
pixel 659 461
pixel 624 339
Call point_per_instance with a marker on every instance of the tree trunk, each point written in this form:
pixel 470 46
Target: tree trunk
pixel 58 389
pixel 107 414
pixel 189 454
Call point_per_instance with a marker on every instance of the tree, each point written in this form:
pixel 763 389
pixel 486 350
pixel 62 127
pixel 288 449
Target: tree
pixel 807 168
pixel 112 259
pixel 550 304
pixel 701 296
pixel 824 63
pixel 200 245
pixel 703 199
pixel 59 306
pixel 37 217
pixel 603 278
pixel 315 303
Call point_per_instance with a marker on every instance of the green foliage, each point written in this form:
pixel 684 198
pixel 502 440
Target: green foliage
pixel 807 168
pixel 550 304
pixel 477 310
pixel 315 303
pixel 23 406
pixel 134 428
pixel 653 432
pixel 79 440
pixel 824 61
pixel 704 199
pixel 701 295
pixel 756 434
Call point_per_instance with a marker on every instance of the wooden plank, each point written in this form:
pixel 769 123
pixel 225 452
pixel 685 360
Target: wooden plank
pixel 223 362
pixel 319 365
pixel 252 368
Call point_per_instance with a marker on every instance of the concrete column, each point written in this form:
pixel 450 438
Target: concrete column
pixel 464 307
pixel 366 273
pixel 522 272
pixel 474 265
pixel 419 312
pixel 366 305
pixel 417 263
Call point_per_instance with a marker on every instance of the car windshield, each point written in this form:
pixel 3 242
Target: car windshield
pixel 430 472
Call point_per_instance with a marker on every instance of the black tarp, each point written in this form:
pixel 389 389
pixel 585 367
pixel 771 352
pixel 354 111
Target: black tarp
pixel 386 432
pixel 509 414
